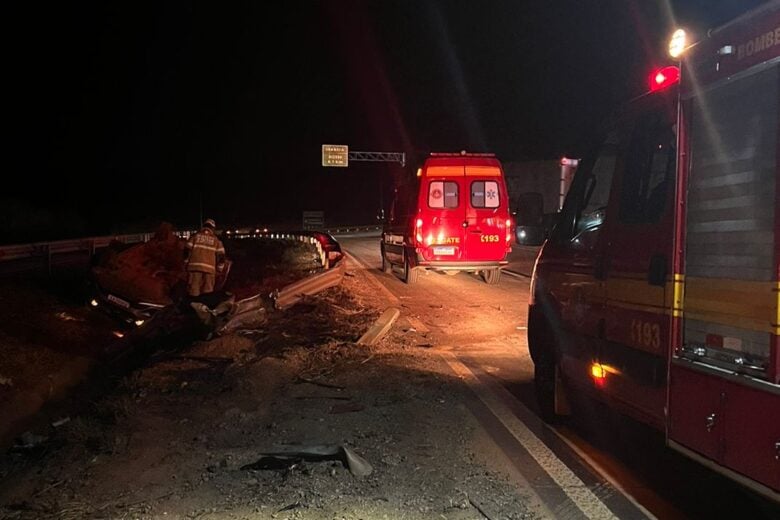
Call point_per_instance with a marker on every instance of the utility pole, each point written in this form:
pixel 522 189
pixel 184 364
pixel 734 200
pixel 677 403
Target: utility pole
pixel 338 155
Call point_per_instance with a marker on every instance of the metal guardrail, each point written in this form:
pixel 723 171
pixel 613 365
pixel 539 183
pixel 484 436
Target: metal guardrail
pixel 294 292
pixel 19 258
pixel 341 230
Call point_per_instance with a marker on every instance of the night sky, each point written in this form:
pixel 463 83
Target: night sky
pixel 121 115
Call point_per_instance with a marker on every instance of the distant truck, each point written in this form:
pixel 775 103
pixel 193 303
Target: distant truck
pixel 536 193
pixel 453 216
pixel 659 290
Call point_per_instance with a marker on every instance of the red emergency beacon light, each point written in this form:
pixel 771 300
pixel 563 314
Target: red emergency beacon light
pixel 662 78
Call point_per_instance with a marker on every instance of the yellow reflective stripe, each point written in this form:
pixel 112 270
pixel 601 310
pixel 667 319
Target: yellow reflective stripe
pixel 744 304
pixel 637 293
pixel 678 294
pixel 776 324
pixel 204 247
pixel 190 266
pixel 739 303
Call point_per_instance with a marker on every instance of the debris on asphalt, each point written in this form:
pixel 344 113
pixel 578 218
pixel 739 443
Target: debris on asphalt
pixel 229 316
pixel 60 422
pixel 65 316
pixel 356 464
pixel 29 440
pixel 346 408
pixel 301 379
pixel 289 507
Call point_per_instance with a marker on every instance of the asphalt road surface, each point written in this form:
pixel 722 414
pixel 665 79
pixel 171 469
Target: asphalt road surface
pixel 599 464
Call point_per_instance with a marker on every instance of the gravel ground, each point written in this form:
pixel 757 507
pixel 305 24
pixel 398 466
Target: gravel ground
pixel 170 441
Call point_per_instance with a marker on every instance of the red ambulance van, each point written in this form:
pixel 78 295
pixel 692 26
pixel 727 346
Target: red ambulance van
pixel 453 216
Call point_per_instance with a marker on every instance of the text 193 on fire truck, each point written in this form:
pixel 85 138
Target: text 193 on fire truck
pixel 658 290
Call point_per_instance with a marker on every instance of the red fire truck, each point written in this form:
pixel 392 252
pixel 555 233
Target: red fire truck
pixel 658 290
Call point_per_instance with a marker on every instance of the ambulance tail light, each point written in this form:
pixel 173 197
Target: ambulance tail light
pixel 508 234
pixel 418 235
pixel 663 78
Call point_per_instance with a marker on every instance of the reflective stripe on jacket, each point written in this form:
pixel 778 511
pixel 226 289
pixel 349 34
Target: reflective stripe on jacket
pixel 205 248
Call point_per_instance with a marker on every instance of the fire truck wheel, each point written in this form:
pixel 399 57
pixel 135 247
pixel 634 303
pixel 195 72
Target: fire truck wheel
pixel 491 276
pixel 544 384
pixel 410 273
pixel 387 267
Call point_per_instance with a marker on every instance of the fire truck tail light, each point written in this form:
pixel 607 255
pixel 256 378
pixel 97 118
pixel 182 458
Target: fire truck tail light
pixel 665 77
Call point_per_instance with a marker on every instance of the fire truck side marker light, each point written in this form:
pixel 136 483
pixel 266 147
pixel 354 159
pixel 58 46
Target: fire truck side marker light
pixel 597 371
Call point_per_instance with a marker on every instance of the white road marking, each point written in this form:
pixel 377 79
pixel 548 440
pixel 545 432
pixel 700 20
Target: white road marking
pixel 372 278
pixel 580 494
pixel 603 472
pixel 417 324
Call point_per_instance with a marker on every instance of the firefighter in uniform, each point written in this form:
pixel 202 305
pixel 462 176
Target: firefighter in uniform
pixel 205 254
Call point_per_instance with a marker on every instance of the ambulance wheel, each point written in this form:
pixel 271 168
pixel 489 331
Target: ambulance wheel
pixel 387 267
pixel 410 273
pixel 491 276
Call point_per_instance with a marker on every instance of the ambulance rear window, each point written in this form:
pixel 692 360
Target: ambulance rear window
pixel 484 194
pixel 443 195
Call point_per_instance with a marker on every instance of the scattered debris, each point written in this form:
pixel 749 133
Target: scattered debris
pixel 301 379
pixel 289 507
pixel 229 316
pixel 64 316
pixel 29 440
pixel 60 422
pixel 380 327
pixel 356 464
pixel 478 508
pixel 346 408
pixel 336 397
